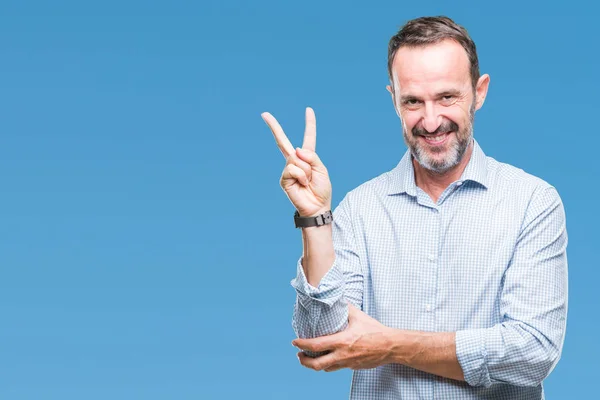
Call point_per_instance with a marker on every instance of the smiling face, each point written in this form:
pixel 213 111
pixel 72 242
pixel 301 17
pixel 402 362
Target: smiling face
pixel 435 99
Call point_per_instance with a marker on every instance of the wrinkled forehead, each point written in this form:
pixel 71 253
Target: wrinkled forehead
pixel 431 67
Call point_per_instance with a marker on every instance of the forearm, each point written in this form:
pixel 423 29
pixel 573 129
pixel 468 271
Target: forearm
pixel 319 255
pixel 327 279
pixel 514 354
pixel 320 305
pixel 432 352
pixel 510 352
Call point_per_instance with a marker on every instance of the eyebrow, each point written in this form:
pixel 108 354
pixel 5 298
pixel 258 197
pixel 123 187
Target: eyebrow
pixel 408 97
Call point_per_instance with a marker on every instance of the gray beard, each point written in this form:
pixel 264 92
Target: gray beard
pixel 455 154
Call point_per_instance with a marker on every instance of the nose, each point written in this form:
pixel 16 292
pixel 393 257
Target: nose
pixel 431 120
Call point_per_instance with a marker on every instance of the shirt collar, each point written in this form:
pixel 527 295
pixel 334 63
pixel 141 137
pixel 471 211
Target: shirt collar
pixel 402 177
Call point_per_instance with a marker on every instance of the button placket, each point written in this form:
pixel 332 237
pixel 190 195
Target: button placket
pixel 432 266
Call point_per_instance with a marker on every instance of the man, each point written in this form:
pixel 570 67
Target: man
pixel 445 277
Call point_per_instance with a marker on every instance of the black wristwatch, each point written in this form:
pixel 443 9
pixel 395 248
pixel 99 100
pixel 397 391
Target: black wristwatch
pixel 318 220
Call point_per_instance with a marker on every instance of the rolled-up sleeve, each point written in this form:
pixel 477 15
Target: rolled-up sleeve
pixel 323 310
pixel 524 348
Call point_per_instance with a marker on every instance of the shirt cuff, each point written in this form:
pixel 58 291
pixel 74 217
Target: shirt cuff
pixel 329 291
pixel 472 356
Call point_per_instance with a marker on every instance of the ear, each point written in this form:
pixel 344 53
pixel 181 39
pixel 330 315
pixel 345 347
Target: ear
pixel 389 89
pixel 481 90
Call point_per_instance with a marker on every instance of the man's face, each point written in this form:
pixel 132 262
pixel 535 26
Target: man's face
pixel 435 100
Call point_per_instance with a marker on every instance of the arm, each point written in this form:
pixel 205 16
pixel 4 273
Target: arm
pixel 334 276
pixel 366 343
pixel 321 304
pixel 524 348
pixel 521 350
pixel 432 352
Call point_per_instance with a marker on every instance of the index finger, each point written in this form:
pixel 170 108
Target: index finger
pixel 317 344
pixel 310 131
pixel 283 142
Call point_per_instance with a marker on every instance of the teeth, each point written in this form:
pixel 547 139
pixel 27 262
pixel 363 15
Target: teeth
pixel 437 138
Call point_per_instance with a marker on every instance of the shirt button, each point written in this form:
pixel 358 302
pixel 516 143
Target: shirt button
pixel 431 257
pixel 428 307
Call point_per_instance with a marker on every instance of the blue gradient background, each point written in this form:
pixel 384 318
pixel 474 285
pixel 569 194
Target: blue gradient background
pixel 146 247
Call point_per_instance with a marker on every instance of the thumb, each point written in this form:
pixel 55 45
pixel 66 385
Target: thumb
pixel 310 157
pixel 352 312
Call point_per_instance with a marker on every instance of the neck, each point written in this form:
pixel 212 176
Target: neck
pixel 434 183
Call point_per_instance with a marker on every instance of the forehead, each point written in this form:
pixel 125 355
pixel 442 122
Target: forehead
pixel 430 67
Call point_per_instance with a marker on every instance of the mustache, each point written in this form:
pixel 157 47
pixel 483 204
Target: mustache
pixel 446 126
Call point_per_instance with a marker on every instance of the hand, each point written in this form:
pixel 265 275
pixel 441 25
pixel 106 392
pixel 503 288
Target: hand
pixel 305 179
pixel 364 344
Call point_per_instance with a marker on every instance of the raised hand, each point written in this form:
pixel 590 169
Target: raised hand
pixel 305 179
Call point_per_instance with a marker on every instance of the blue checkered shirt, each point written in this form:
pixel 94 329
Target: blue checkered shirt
pixel 487 261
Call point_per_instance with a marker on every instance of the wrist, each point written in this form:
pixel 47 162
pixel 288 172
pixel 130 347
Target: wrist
pixel 320 211
pixel 316 220
pixel 389 345
pixel 402 344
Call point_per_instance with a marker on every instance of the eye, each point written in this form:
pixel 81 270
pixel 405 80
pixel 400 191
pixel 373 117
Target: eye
pixel 448 99
pixel 411 102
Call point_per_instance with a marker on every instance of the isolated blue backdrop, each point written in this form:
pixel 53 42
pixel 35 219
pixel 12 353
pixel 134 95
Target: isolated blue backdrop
pixel 146 248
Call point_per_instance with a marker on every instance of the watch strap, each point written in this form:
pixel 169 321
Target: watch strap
pixel 317 220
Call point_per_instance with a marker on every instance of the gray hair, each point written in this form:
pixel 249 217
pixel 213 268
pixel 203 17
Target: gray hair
pixel 431 30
